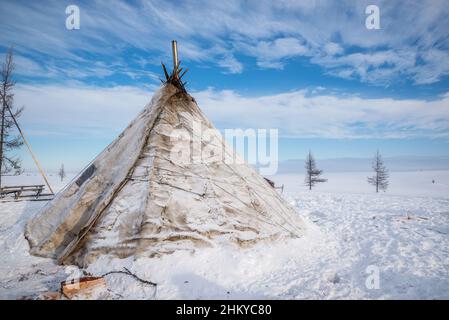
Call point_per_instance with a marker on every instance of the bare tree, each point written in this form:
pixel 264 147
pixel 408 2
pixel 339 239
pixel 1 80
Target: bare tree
pixel 62 173
pixel 380 177
pixel 8 141
pixel 312 173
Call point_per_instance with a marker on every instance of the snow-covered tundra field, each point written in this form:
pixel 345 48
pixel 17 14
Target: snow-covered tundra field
pixel 351 234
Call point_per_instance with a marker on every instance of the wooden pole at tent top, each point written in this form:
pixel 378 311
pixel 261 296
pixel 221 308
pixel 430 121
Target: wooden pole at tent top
pixel 174 47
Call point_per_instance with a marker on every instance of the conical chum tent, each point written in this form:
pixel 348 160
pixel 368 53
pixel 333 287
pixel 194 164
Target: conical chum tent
pixel 142 196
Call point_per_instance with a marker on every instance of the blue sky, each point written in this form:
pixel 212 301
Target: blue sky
pixel 309 68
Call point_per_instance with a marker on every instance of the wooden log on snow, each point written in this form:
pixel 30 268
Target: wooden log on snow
pixel 81 286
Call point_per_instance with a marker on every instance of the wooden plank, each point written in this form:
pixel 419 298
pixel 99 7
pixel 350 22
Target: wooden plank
pixel 22 189
pixel 25 186
pixel 3 200
pixel 25 192
pixel 30 150
pixel 82 285
pixel 33 195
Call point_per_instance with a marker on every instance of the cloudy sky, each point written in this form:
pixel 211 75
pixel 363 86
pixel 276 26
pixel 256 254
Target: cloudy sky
pixel 309 68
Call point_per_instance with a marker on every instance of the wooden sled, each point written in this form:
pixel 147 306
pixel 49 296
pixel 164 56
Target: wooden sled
pixel 26 192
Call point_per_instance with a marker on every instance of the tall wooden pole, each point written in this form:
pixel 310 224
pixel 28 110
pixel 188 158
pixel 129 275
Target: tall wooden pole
pixel 174 47
pixel 30 150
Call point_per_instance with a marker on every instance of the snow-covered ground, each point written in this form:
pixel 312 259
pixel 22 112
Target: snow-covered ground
pixel 352 233
pixel 416 183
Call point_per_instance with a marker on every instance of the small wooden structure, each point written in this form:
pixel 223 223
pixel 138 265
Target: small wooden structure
pixel 25 192
pixel 82 286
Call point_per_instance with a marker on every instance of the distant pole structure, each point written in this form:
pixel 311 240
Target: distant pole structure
pixel 174 47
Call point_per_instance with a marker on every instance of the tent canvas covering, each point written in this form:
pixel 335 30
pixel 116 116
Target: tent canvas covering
pixel 135 198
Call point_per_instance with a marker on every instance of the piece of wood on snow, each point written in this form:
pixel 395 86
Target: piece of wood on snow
pixel 81 286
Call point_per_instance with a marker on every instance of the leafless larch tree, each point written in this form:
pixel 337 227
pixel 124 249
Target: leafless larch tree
pixel 380 177
pixel 8 140
pixel 313 175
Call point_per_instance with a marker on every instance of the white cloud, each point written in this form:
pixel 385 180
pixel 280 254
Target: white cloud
pixel 104 112
pixel 25 66
pixel 333 48
pixel 411 43
pixel 435 64
pixel 78 110
pixel 300 114
pixel 231 64
pixel 378 67
pixel 270 54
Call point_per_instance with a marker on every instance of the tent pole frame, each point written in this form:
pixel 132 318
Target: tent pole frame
pixel 174 47
pixel 30 150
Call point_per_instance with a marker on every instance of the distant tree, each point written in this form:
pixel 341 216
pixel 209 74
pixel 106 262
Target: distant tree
pixel 313 175
pixel 380 177
pixel 62 173
pixel 8 141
